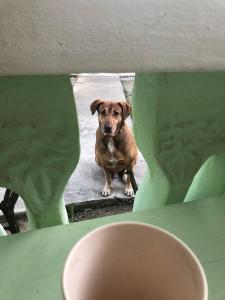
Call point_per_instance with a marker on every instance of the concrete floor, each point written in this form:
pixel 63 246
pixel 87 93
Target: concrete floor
pixel 87 180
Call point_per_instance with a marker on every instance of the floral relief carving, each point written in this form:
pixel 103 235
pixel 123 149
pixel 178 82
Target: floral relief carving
pixel 184 145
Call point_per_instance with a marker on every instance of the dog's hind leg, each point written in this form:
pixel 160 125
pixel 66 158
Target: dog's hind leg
pixel 125 177
pixel 106 190
pixel 130 182
pixel 128 187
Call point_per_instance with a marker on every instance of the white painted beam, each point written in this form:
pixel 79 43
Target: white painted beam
pixel 64 36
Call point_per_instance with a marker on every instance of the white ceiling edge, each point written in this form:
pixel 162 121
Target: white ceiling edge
pixel 68 36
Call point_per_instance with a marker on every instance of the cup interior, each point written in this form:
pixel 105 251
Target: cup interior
pixel 132 261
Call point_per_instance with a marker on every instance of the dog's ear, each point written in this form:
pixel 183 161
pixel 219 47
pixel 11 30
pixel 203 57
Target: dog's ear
pixel 95 105
pixel 126 109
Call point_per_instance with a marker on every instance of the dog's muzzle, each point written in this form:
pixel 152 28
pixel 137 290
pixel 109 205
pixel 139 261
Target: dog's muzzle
pixel 107 129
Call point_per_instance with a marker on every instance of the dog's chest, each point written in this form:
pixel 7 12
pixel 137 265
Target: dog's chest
pixel 111 149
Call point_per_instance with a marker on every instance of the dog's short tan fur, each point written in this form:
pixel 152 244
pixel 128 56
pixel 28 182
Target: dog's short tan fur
pixel 115 148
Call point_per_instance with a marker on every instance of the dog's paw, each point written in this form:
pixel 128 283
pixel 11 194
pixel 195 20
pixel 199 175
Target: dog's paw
pixel 129 192
pixel 105 191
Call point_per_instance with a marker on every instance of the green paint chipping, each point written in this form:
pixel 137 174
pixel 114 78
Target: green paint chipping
pixel 179 125
pixel 39 143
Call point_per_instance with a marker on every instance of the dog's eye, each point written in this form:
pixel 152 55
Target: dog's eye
pixel 103 112
pixel 116 113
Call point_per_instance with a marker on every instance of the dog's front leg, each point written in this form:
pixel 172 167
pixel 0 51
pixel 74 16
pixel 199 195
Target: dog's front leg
pixel 107 187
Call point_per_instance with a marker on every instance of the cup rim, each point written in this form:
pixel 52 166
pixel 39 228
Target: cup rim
pixel 142 224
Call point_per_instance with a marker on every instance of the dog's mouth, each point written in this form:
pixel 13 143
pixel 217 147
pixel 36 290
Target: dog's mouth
pixel 108 130
pixel 108 134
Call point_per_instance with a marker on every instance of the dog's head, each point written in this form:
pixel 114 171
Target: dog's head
pixel 111 115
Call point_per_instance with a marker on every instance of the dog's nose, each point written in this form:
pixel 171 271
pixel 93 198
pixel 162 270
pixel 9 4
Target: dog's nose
pixel 108 128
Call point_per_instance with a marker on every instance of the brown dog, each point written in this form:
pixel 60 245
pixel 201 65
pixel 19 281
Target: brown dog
pixel 115 148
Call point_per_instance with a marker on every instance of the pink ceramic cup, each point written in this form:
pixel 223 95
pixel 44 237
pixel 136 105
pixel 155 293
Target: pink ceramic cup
pixel 132 261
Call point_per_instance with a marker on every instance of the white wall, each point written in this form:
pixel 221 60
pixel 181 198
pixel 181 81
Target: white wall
pixel 64 36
